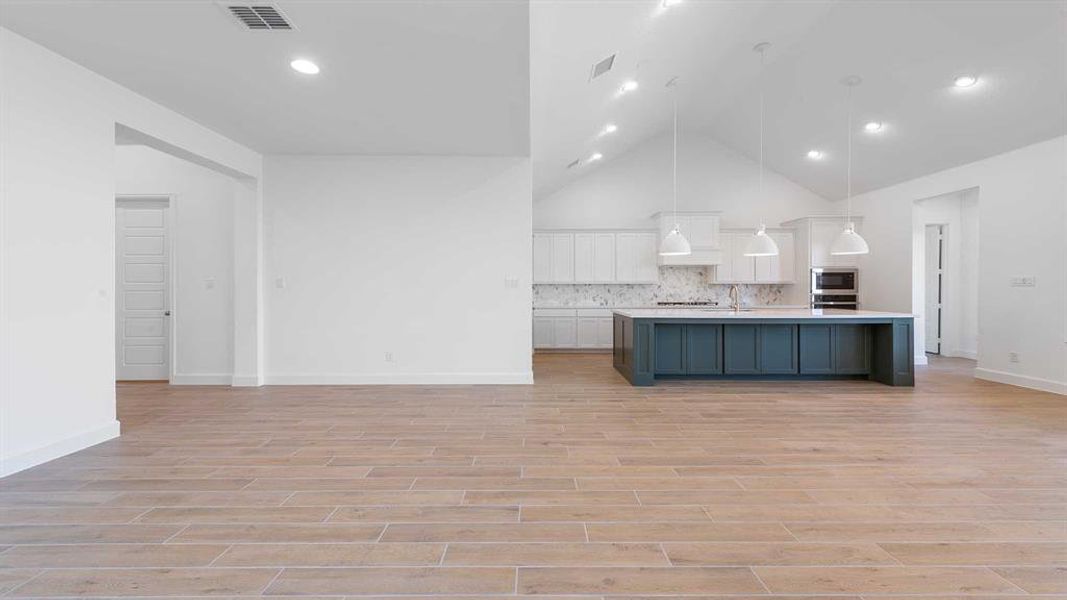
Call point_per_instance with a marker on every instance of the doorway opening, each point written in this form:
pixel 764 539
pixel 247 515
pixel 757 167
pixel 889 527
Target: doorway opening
pixel 935 290
pixel 143 292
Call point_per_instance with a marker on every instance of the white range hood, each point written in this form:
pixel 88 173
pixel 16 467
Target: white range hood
pixel 702 231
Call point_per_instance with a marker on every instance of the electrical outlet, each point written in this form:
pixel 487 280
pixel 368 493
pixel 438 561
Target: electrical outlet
pixel 511 283
pixel 209 283
pixel 1013 357
pixel 389 357
pixel 279 283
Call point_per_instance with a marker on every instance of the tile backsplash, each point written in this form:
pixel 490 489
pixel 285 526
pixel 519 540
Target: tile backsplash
pixel 685 284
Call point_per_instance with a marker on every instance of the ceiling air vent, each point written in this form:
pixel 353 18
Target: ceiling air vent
pixel 602 67
pixel 260 17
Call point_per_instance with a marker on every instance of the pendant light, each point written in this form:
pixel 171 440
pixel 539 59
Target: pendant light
pixel 675 243
pixel 761 244
pixel 848 241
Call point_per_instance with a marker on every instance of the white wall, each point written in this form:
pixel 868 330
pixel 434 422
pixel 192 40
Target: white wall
pixel 57 230
pixel 406 255
pixel 957 212
pixel 202 236
pixel 1022 214
pixel 626 191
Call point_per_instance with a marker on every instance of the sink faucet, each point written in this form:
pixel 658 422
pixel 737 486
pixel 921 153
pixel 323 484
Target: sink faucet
pixel 735 297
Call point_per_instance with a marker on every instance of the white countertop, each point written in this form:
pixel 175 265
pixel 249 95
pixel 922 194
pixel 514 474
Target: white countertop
pixel 757 313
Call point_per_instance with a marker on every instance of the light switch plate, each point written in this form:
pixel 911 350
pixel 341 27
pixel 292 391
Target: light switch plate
pixel 279 283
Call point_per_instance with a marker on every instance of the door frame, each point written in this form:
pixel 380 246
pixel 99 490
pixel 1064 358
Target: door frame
pixel 172 263
pixel 942 283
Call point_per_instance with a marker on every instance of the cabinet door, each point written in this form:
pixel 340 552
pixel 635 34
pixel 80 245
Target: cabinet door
pixel 766 269
pixel 724 271
pixel 584 257
pixel 823 234
pixel 852 349
pixel 604 257
pixel 564 332
pixel 563 257
pixel 605 332
pixel 778 349
pixel 587 332
pixel 817 349
pixel 670 349
pixel 743 267
pixel 624 257
pixel 787 256
pixel 645 252
pixel 703 347
pixel 542 258
pixel 740 349
pixel 543 332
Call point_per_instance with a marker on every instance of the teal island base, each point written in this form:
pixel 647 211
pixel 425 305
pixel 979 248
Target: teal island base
pixel 764 345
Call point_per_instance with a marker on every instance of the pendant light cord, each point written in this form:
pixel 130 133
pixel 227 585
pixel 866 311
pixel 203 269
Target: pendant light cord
pixel 848 170
pixel 761 93
pixel 674 174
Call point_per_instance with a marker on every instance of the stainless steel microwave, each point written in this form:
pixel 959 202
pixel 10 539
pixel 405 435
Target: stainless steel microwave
pixel 834 280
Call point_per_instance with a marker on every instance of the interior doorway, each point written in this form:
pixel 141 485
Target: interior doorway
pixel 935 286
pixel 143 332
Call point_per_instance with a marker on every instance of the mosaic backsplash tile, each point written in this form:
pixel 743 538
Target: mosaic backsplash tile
pixel 681 284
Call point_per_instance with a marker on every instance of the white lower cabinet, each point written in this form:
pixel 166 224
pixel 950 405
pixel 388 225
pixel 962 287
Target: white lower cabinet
pixel 572 328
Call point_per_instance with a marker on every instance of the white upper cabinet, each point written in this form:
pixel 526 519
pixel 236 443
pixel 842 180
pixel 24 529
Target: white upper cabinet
pixel 738 268
pixel 595 257
pixel 702 231
pixel 553 257
pixel 823 234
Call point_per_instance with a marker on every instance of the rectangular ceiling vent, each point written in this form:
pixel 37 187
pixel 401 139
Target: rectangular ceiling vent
pixel 602 67
pixel 260 17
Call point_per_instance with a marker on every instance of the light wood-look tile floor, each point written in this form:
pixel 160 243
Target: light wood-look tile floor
pixel 578 486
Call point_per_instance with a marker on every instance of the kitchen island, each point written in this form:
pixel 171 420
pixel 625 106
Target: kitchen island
pixel 763 344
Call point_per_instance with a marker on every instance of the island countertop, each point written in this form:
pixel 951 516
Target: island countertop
pixel 788 314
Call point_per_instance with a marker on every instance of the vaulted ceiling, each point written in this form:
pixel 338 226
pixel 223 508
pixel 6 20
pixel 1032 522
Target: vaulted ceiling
pixel 908 54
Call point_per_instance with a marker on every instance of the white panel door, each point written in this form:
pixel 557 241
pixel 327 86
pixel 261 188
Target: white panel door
pixel 584 257
pixel 142 294
pixel 934 288
pixel 604 257
pixel 624 257
pixel 542 258
pixel 563 257
pixel 587 332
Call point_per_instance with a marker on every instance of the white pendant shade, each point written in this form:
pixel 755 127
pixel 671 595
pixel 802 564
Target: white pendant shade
pixel 849 242
pixel 761 244
pixel 675 244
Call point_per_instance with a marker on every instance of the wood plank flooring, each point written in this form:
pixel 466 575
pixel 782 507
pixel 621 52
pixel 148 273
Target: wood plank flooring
pixel 578 486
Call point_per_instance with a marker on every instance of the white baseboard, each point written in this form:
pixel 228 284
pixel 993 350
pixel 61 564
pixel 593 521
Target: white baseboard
pixel 972 355
pixel 1034 383
pixel 517 378
pixel 246 381
pixel 201 379
pixel 81 441
pixel 920 359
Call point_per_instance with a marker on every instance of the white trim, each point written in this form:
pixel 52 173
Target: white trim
pixel 921 359
pixel 1034 383
pixel 74 443
pixel 506 378
pixel 201 379
pixel 246 381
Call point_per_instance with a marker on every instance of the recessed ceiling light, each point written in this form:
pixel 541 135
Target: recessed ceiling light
pixel 815 154
pixel 609 128
pixel 965 81
pixel 873 127
pixel 595 157
pixel 628 86
pixel 305 66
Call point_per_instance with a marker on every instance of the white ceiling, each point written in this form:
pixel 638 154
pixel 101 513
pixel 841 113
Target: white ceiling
pixel 398 77
pixel 907 53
